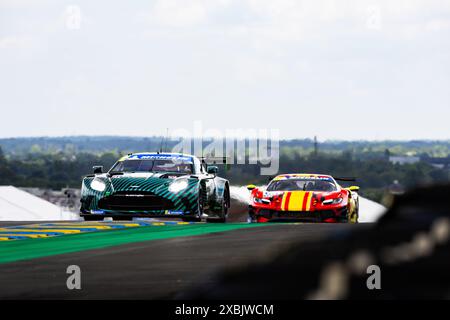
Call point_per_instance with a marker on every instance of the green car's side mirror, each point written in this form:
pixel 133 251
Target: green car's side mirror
pixel 251 187
pixel 98 169
pixel 353 188
pixel 213 170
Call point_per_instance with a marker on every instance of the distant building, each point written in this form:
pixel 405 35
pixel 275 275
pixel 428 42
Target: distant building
pixel 403 159
pixel 439 163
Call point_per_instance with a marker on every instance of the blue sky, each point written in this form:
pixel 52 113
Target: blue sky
pixel 337 69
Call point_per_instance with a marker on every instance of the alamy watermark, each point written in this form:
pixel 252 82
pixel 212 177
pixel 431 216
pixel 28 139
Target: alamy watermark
pixel 73 282
pixel 72 17
pixel 238 146
pixel 374 280
pixel 374 18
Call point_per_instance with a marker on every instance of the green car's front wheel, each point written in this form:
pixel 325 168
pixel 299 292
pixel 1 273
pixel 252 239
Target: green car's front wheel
pixel 223 214
pixel 197 218
pixel 93 218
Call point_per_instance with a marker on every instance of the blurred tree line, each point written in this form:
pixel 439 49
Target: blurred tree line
pixel 65 168
pixel 100 144
pixel 53 171
pixel 373 175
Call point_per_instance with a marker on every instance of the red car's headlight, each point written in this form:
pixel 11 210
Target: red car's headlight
pixel 263 201
pixel 332 201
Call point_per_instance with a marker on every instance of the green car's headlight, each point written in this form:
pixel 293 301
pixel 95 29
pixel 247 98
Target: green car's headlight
pixel 98 185
pixel 178 185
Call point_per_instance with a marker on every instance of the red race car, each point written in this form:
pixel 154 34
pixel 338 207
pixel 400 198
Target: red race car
pixel 304 197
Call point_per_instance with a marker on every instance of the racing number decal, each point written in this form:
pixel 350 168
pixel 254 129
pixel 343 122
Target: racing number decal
pixel 296 201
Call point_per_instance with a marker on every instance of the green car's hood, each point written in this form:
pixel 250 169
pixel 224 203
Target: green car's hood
pixel 155 183
pixel 140 181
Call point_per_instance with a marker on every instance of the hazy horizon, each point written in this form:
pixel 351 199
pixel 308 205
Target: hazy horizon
pixel 209 137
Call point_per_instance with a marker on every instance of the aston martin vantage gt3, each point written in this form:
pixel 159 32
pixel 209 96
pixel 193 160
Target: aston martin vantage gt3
pixel 156 185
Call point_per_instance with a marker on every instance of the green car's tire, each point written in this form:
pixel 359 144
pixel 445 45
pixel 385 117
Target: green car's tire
pixel 191 219
pixel 199 210
pixel 123 219
pixel 93 218
pixel 224 209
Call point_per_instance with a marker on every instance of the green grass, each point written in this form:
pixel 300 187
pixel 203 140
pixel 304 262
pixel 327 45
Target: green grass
pixel 35 248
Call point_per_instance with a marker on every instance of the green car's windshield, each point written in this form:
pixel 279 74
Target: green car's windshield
pixel 302 185
pixel 152 166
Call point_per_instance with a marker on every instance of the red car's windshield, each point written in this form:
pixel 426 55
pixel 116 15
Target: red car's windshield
pixel 302 185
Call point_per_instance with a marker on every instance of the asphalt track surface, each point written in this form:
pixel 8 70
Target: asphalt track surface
pixel 155 268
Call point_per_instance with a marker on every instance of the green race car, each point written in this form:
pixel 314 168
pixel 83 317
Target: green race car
pixel 156 185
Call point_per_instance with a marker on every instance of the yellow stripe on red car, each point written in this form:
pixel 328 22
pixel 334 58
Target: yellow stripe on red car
pixel 296 201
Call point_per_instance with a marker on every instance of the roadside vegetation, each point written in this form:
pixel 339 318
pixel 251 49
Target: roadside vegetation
pixel 57 163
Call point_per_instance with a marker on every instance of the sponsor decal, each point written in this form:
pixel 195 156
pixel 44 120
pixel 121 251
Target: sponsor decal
pixel 302 177
pixel 174 212
pixel 272 193
pixel 160 157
